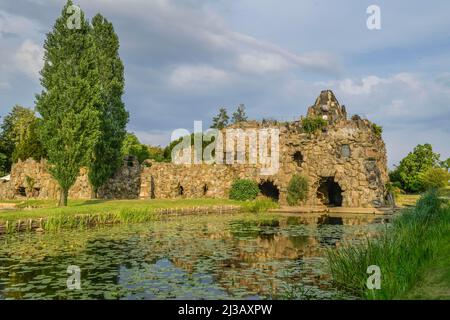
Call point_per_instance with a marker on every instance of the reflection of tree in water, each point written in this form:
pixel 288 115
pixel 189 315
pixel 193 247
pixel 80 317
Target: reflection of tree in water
pixel 175 259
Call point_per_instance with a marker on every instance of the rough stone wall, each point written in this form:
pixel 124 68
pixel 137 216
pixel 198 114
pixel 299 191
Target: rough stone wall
pixel 125 183
pixel 40 184
pixel 347 156
pixel 347 152
pixel 31 178
pixel 167 180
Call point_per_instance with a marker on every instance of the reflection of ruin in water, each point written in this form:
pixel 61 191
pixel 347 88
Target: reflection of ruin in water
pixel 203 251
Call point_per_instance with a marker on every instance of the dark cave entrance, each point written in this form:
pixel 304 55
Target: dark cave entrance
pixel 269 189
pixel 329 192
pixel 180 190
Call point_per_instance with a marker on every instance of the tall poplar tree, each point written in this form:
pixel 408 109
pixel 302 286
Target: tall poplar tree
pixel 69 102
pixel 114 117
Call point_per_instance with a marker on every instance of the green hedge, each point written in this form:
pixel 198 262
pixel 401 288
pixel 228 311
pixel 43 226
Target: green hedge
pixel 244 189
pixel 297 191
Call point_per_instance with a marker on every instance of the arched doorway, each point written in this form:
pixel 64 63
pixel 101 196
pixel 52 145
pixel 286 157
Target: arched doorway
pixel 329 192
pixel 269 189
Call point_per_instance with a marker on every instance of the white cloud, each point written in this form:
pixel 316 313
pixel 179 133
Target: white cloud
pixel 29 59
pixel 262 63
pixel 14 24
pixel 198 76
pixel 206 33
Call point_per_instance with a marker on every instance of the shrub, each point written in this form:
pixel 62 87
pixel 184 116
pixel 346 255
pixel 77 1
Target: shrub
pixel 311 125
pixel 434 178
pixel 297 190
pixel 244 189
pixel 378 130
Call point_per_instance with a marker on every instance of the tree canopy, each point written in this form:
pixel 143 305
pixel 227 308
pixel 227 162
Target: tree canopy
pixel 221 120
pixel 132 147
pixel 19 138
pixel 407 173
pixel 239 115
pixel 113 116
pixel 71 99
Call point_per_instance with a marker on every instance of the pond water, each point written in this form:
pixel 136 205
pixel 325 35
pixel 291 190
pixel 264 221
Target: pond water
pixel 190 257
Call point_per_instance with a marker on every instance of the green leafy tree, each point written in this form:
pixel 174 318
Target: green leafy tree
pixel 156 153
pixel 7 143
pixel 297 191
pixel 20 136
pixel 239 115
pixel 417 162
pixel 132 147
pixel 445 164
pixel 434 178
pixel 3 164
pixel 70 101
pixel 113 116
pixel 221 120
pixel 169 148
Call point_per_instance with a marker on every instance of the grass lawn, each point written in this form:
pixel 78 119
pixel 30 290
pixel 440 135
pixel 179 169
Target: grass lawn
pixel 48 208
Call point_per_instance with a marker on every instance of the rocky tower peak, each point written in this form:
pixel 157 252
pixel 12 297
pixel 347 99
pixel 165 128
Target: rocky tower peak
pixel 327 107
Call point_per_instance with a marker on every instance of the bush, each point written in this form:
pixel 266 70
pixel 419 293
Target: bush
pixel 378 130
pixel 297 190
pixel 244 189
pixel 434 178
pixel 311 125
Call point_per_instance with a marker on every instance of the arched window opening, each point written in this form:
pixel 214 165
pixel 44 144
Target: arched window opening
pixel 298 158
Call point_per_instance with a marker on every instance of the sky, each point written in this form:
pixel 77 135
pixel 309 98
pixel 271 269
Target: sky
pixel 186 58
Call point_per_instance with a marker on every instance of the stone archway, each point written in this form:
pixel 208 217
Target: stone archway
pixel 329 192
pixel 269 189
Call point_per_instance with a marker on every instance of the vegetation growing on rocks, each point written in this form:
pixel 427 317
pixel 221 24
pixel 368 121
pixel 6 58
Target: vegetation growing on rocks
pixel 244 189
pixel 297 190
pixel 313 124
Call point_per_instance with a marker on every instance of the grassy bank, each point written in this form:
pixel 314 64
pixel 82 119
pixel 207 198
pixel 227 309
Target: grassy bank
pixel 405 252
pixel 81 214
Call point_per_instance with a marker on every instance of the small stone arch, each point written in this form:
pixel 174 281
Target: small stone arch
pixel 269 189
pixel 329 192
